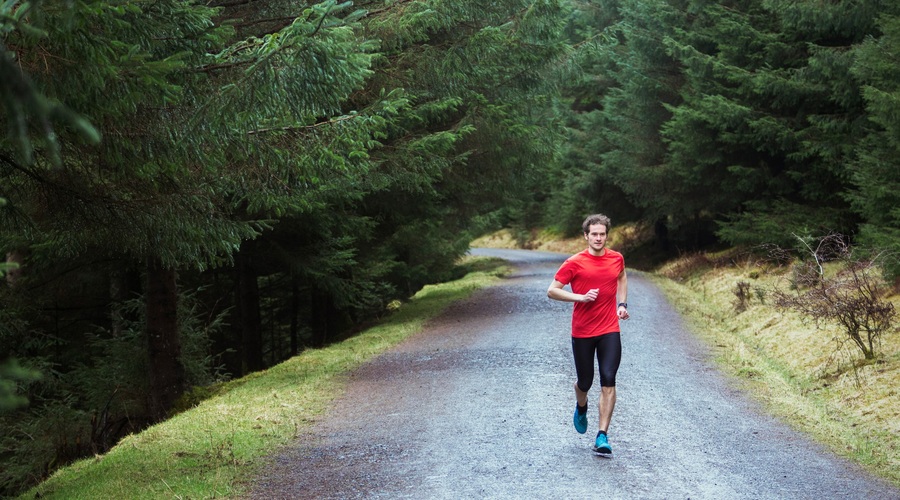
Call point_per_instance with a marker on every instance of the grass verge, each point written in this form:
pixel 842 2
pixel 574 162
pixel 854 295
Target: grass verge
pixel 211 450
pixel 812 378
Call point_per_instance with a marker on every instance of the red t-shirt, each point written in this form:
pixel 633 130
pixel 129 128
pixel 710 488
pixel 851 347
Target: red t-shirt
pixel 583 272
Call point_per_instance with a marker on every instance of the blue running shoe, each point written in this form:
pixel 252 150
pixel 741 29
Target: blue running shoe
pixel 601 445
pixel 580 420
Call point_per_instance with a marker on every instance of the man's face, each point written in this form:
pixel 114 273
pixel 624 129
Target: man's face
pixel 596 237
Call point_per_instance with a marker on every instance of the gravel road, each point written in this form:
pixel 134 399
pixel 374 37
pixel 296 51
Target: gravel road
pixel 479 405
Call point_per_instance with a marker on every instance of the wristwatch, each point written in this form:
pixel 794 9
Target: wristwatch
pixel 623 304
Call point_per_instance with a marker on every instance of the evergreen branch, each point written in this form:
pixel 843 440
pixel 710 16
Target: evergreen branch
pixel 288 20
pixel 233 3
pixel 57 187
pixel 214 67
pixel 385 9
pixel 321 21
pixel 16 166
pixel 590 39
pixel 303 127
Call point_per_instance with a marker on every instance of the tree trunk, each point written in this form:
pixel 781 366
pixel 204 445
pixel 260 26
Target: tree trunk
pixel 166 371
pixel 124 285
pixel 324 320
pixel 295 316
pixel 661 230
pixel 250 325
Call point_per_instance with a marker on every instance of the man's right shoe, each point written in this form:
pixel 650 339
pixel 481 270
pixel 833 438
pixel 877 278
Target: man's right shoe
pixel 580 420
pixel 601 445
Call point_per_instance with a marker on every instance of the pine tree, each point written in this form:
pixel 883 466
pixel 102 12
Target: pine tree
pixel 740 112
pixel 876 183
pixel 772 112
pixel 450 79
pixel 322 159
pixel 615 161
pixel 203 140
pixel 579 182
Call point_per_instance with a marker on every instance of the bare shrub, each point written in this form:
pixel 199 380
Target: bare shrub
pixel 852 298
pixel 805 274
pixel 742 294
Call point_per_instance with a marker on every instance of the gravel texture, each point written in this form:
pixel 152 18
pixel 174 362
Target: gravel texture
pixel 479 405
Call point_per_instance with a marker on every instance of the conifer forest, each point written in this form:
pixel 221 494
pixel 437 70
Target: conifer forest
pixel 194 191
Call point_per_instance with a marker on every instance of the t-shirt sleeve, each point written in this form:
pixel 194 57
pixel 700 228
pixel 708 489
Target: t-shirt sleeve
pixel 566 272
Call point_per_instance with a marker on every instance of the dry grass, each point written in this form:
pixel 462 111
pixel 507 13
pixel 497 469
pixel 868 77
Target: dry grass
pixel 813 378
pixel 621 238
pixel 501 239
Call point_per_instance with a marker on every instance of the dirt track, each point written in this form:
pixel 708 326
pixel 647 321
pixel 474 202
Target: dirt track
pixel 480 406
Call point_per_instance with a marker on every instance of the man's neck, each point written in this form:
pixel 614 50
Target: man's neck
pixel 596 253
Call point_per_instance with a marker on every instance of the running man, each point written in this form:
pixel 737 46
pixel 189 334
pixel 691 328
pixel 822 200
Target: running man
pixel 600 292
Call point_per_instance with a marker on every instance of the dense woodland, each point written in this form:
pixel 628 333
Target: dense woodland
pixel 196 191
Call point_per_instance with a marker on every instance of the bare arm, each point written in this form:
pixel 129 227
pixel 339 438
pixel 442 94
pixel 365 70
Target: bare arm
pixel 622 294
pixel 556 292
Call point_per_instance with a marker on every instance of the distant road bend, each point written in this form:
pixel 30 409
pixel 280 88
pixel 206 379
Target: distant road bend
pixel 479 405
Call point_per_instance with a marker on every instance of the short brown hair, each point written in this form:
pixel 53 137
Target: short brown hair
pixel 595 219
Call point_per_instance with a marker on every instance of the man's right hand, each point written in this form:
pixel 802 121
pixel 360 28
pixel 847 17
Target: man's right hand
pixel 591 295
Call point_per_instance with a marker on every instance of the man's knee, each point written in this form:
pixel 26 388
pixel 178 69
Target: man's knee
pixel 608 379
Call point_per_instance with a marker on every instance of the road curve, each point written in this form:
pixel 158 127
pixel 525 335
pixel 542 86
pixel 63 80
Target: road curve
pixel 479 405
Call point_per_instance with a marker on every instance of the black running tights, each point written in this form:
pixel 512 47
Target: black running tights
pixel 609 353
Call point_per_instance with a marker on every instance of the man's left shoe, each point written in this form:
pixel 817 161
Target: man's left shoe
pixel 601 445
pixel 580 420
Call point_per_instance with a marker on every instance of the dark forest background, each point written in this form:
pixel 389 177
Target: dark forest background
pixel 196 191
